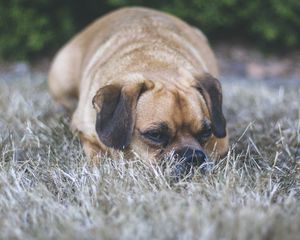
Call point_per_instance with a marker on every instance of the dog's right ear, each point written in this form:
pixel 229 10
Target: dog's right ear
pixel 210 88
pixel 115 106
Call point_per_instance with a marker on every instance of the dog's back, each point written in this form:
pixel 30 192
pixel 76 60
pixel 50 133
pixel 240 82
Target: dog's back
pixel 111 39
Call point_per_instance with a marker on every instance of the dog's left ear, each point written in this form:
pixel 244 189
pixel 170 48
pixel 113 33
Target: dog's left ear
pixel 211 90
pixel 115 106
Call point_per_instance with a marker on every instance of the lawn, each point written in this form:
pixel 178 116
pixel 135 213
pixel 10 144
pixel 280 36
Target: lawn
pixel 47 190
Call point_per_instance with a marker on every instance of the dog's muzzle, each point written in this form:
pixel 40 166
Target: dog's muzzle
pixel 185 160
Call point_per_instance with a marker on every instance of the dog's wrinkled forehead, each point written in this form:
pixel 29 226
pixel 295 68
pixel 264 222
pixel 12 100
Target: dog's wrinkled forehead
pixel 172 106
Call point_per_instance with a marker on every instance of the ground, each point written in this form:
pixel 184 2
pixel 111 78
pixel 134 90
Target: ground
pixel 47 190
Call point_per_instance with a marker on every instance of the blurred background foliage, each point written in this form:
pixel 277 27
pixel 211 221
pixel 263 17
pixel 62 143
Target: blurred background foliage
pixel 35 28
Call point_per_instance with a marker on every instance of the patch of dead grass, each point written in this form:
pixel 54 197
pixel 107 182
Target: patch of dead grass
pixel 48 191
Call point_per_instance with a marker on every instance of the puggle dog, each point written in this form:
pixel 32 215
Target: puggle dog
pixel 142 81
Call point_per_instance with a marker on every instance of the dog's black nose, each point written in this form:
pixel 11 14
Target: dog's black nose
pixel 193 157
pixel 186 159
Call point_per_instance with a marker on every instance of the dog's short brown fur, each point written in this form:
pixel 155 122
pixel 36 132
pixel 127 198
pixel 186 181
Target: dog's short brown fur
pixel 138 74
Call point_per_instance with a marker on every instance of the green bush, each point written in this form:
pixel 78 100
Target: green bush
pixel 31 28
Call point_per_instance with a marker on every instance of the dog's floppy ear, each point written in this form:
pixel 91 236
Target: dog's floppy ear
pixel 210 88
pixel 115 106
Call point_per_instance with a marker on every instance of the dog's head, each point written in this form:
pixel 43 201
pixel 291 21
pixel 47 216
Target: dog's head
pixel 156 120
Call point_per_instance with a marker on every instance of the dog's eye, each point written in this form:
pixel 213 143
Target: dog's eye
pixel 156 136
pixel 204 134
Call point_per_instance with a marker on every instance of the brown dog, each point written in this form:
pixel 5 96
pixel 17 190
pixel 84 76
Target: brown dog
pixel 142 81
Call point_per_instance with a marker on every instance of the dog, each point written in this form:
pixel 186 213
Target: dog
pixel 139 80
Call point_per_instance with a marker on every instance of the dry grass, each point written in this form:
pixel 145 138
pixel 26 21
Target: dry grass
pixel 48 192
